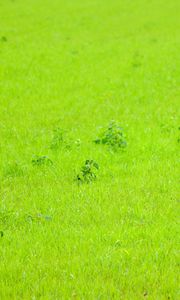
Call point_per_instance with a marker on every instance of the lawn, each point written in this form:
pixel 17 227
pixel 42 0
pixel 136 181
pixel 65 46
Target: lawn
pixel 72 229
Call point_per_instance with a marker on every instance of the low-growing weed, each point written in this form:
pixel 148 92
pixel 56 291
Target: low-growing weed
pixel 61 140
pixel 78 142
pixel 88 171
pixel 41 161
pixel 113 136
pixel 58 138
pixel 37 218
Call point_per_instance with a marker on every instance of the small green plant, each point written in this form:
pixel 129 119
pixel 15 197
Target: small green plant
pixel 78 142
pixel 113 136
pixel 61 140
pixel 37 217
pixel 88 171
pixel 58 138
pixel 41 161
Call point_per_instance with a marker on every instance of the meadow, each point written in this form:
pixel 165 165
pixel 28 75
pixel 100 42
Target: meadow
pixel 89 140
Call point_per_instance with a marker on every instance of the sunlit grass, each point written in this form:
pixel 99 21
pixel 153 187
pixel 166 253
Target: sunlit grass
pixel 67 69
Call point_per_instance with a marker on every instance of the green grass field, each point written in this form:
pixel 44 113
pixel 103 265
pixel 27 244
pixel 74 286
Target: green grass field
pixel 67 68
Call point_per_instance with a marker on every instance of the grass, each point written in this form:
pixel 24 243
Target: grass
pixel 68 68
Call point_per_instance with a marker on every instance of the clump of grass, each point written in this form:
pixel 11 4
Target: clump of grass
pixel 113 136
pixel 4 39
pixel 9 219
pixel 88 171
pixel 41 161
pixel 14 169
pixel 4 217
